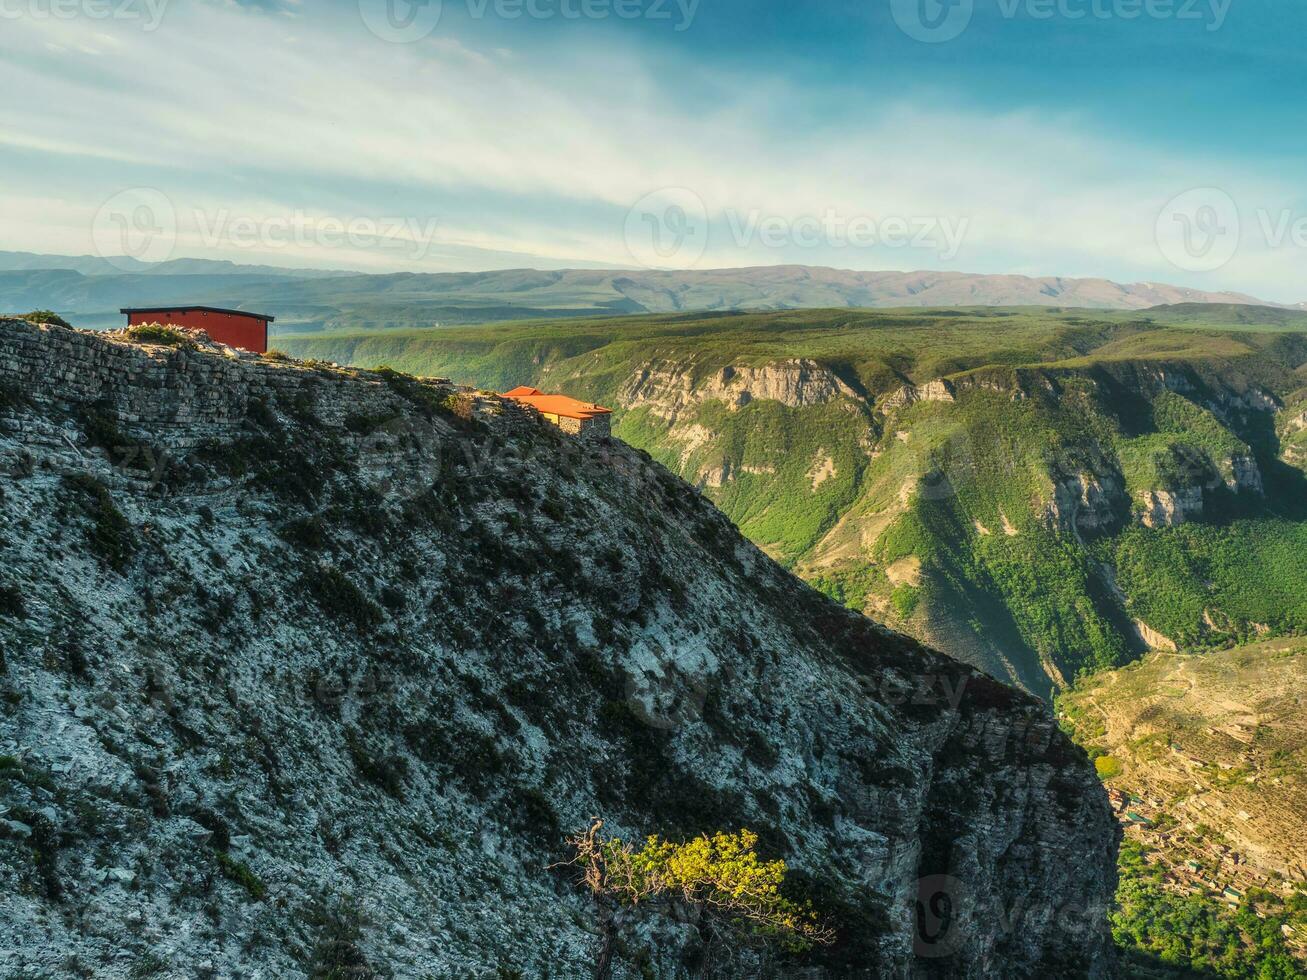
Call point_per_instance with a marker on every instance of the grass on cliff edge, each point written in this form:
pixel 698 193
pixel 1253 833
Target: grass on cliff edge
pixel 875 349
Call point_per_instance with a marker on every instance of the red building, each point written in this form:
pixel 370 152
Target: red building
pixel 235 328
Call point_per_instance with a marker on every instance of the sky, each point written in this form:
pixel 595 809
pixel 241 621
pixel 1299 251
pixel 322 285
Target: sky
pixel 1136 140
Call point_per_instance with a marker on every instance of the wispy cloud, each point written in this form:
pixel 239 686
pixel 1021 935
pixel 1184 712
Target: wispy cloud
pixel 511 149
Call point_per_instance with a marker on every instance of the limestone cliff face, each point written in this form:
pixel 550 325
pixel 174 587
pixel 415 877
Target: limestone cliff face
pixel 307 668
pixel 1167 508
pixel 668 389
pixel 1087 502
pixel 1007 383
pixel 939 390
pixel 1292 431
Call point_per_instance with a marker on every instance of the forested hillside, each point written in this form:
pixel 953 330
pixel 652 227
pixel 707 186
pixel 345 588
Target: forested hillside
pixel 1043 493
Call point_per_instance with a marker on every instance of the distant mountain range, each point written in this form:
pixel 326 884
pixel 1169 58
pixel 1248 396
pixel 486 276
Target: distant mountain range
pixel 90 290
pixel 94 265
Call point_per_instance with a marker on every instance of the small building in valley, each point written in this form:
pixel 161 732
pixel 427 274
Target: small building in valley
pixel 235 328
pixel 569 414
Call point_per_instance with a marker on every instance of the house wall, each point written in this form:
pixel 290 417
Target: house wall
pixel 570 426
pixel 597 426
pixel 235 331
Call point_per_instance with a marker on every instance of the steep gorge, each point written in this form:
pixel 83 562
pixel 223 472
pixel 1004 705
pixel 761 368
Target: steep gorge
pixel 1071 489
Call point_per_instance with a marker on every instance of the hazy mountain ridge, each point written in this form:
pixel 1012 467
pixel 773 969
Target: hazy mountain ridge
pixel 310 301
pixel 94 265
pixel 304 668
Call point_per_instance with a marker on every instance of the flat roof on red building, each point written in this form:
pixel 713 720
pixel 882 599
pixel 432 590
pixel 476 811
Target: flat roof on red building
pixel 182 308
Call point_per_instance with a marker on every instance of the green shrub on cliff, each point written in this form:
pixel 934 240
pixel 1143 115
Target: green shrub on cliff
pixel 45 316
pixel 156 333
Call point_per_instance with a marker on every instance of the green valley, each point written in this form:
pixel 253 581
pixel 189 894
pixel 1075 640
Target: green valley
pixel 1042 492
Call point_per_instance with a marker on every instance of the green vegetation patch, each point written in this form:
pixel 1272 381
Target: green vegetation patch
pixel 1207 585
pixel 782 474
pixel 45 316
pixel 241 874
pixel 156 333
pixel 110 535
pixel 1167 936
pixel 340 598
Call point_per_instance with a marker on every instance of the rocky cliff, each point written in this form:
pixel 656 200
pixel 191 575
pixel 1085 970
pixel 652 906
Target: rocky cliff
pixel 310 669
pixel 668 389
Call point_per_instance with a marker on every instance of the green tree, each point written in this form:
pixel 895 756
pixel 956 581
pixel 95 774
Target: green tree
pixel 716 883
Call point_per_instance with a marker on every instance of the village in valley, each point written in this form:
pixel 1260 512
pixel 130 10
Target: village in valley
pixel 1199 755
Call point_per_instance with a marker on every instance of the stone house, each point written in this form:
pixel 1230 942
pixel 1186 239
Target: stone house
pixel 569 414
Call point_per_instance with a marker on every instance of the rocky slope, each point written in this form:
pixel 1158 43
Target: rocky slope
pixel 309 669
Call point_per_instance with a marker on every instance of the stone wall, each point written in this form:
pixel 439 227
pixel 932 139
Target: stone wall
pixel 184 396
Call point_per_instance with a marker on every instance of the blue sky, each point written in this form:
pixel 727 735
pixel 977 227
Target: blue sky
pixel 1154 140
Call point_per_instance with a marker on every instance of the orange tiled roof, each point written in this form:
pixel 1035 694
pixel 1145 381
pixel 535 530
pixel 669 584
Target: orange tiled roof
pixel 561 405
